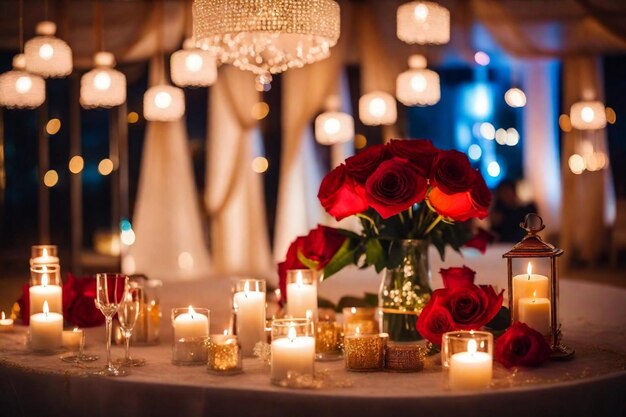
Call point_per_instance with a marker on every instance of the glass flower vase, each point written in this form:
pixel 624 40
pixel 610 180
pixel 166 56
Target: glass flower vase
pixel 405 290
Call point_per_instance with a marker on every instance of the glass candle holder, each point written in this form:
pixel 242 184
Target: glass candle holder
pixel 468 356
pixel 404 357
pixel 44 255
pixel 293 349
pixel 45 286
pixel 249 311
pixel 152 298
pixel 224 355
pixel 191 331
pixel 365 319
pixel 302 293
pixel 364 352
pixel 328 340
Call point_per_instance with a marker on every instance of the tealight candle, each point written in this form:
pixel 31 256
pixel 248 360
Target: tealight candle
pixel 525 285
pixel 191 331
pixel 249 307
pixel 224 354
pixel 293 349
pixel 46 330
pixel 364 352
pixel 365 318
pixel 72 338
pixel 535 312
pixel 6 325
pixel 301 293
pixel 471 369
pixel 45 289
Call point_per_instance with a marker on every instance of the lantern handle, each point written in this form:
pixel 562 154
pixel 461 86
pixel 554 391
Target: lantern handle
pixel 533 223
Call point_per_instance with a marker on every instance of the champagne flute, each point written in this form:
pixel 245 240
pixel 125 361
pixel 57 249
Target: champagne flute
pixel 127 316
pixel 111 291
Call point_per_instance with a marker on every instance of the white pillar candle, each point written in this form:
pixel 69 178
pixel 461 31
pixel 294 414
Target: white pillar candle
pixel 250 310
pixel 6 325
pixel 301 297
pixel 471 369
pixel 44 259
pixel 191 324
pixel 525 285
pixel 535 312
pixel 72 338
pixel 46 330
pixel 295 354
pixel 39 294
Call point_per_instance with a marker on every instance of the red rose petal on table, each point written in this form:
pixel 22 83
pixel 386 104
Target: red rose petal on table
pixel 480 240
pixel 521 346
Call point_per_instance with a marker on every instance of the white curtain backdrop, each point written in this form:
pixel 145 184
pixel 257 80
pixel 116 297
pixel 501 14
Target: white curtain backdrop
pixel 234 196
pixel 541 138
pixel 169 242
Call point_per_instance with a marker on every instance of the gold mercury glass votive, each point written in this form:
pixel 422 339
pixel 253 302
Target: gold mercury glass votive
pixel 365 352
pixel 328 340
pixel 224 355
pixel 363 318
pixel 401 357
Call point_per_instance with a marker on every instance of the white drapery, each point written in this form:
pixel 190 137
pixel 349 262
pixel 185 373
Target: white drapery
pixel 234 196
pixel 169 243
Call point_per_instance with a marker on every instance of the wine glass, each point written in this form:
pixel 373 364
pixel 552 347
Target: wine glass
pixel 111 291
pixel 127 315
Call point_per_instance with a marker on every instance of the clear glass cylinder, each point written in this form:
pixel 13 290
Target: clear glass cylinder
pixel 293 349
pixel 405 290
pixel 224 354
pixel 45 287
pixel 364 319
pixel 468 356
pixel 190 328
pixel 531 293
pixel 249 313
pixel 302 293
pixel 328 339
pixel 44 255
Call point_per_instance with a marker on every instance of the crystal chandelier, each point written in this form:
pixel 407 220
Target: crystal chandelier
pixel 163 103
pixel 588 115
pixel 103 86
pixel 267 36
pixel 418 86
pixel 423 22
pixel 47 55
pixel 20 89
pixel 333 126
pixel 193 67
pixel 377 108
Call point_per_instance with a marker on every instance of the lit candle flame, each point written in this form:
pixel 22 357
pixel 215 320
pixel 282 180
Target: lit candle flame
pixel 191 311
pixel 534 295
pixel 357 330
pixel 309 314
pixel 225 332
pixel 299 279
pixel 76 330
pixel 353 310
pixel 472 347
pixel 291 335
pixel 529 269
pixel 44 280
pixel 3 316
pixel 46 308
pixel 246 288
pixel 44 253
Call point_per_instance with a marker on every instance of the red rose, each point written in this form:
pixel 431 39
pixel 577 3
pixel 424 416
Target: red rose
pixel 481 196
pixel 457 276
pixel 457 207
pixel 420 152
pixel 435 320
pixel 363 164
pixel 82 311
pixel 480 240
pixel 24 303
pixel 395 186
pixel 472 306
pixel 452 172
pixel 319 246
pixel 340 195
pixel 521 345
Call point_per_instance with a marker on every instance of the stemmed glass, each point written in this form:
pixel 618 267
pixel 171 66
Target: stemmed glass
pixel 81 356
pixel 111 292
pixel 127 316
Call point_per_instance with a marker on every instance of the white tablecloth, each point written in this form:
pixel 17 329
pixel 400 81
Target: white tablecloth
pixel 593 384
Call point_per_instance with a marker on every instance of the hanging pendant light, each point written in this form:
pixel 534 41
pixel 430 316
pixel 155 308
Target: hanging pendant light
pixel 377 108
pixel 423 22
pixel 20 89
pixel 267 36
pixel 47 55
pixel 103 86
pixel 418 86
pixel 588 115
pixel 193 67
pixel 163 103
pixel 333 126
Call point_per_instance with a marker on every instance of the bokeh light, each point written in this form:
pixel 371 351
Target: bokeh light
pixel 53 126
pixel 76 164
pixel 51 178
pixel 260 164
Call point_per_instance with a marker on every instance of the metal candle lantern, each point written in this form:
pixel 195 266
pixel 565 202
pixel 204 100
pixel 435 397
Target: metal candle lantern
pixel 533 298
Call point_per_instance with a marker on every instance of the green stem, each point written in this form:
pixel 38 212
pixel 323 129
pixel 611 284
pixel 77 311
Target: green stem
pixel 433 224
pixel 363 216
pixel 401 217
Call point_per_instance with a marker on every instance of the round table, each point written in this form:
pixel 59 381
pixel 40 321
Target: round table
pixel 593 384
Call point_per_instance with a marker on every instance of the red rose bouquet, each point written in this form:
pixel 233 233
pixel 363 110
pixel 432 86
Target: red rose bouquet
pixel 404 191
